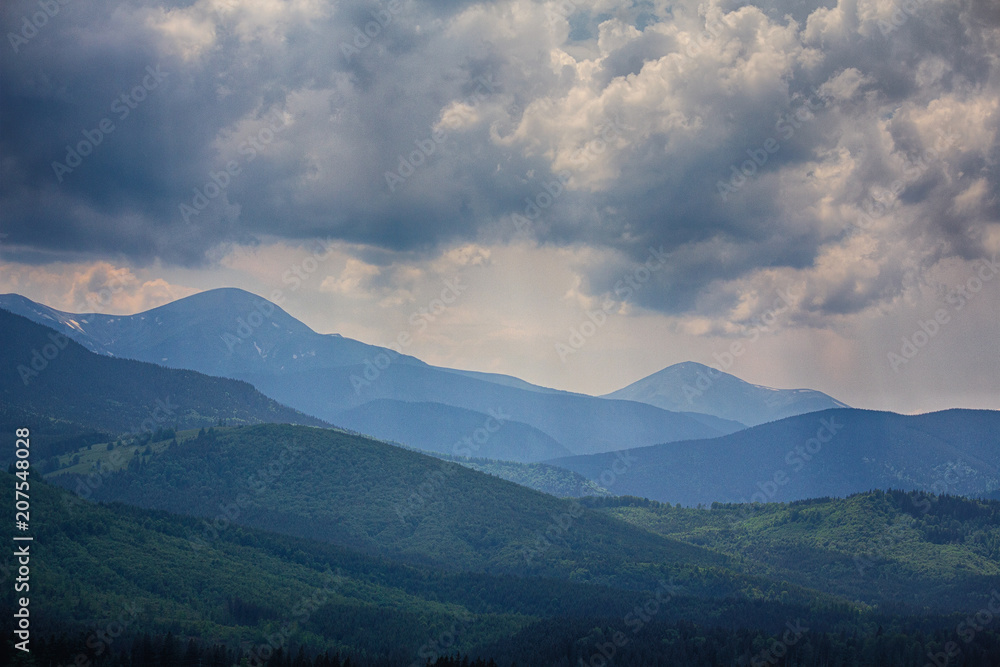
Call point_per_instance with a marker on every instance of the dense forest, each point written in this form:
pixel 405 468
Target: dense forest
pixel 176 598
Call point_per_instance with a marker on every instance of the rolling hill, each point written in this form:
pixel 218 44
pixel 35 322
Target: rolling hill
pixel 430 427
pixel 894 550
pixel 248 590
pixel 379 499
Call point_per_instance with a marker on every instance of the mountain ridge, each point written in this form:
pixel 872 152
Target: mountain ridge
pixel 830 453
pixel 233 333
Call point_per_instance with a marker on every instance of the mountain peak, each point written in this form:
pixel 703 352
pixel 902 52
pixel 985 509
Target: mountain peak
pixel 227 331
pixel 229 302
pixel 690 386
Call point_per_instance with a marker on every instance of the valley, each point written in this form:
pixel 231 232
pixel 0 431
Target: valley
pixel 228 520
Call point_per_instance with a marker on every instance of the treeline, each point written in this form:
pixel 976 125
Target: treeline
pixel 150 650
pixel 553 643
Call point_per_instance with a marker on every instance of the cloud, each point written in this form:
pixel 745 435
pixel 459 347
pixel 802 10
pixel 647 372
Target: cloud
pixel 745 140
pixel 93 287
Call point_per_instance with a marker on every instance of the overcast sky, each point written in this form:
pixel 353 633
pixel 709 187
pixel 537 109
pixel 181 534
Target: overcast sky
pixel 814 182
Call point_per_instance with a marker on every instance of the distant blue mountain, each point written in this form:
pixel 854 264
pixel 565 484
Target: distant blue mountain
pixel 694 387
pixel 828 453
pixel 232 333
pixel 432 427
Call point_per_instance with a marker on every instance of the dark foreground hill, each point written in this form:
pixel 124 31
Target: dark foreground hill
pixel 262 597
pixel 66 392
pixel 376 498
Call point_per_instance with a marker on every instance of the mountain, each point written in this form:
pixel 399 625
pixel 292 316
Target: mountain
pixel 431 427
pixel 829 453
pixel 223 332
pixel 694 387
pixel 66 392
pixel 235 334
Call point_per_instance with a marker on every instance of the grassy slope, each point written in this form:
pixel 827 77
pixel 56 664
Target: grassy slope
pixel 890 549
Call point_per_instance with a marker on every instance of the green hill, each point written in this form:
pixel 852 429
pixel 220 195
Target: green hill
pixel 895 550
pixel 367 495
pixel 543 477
pixel 94 562
pixel 96 565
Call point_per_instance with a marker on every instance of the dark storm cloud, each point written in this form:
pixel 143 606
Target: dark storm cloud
pixel 409 126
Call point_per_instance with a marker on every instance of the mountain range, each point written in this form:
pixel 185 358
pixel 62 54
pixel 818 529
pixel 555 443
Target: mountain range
pixel 680 457
pixel 237 522
pixel 235 334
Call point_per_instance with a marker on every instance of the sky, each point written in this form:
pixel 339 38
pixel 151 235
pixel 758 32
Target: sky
pixel 579 194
